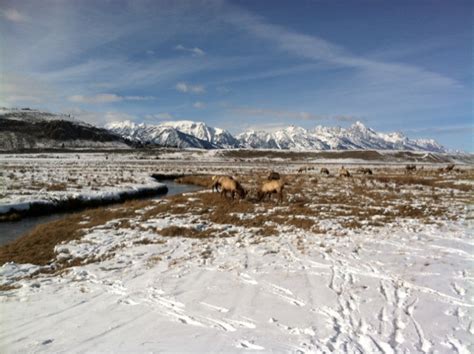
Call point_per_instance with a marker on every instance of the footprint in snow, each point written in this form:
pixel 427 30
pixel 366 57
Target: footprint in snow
pixel 245 344
pixel 214 307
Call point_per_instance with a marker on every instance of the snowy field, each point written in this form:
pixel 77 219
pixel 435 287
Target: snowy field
pixel 373 264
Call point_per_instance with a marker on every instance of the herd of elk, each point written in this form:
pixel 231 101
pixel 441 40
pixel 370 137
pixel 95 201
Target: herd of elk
pixel 274 184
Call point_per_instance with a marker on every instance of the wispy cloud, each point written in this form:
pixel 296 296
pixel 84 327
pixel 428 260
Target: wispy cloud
pixel 195 51
pixel 14 15
pixel 159 116
pixel 24 89
pixel 199 105
pixel 106 98
pixel 440 130
pixel 320 50
pixel 290 115
pixel 188 88
pixel 98 118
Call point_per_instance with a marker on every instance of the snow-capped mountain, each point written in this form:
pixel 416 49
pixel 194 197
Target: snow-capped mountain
pixel 199 135
pixel 216 136
pixel 358 136
pixel 290 138
pixel 161 135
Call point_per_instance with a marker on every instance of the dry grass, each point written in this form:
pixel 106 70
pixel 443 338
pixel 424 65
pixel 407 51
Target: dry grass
pixel 352 203
pixel 37 246
pixel 203 181
pixel 178 231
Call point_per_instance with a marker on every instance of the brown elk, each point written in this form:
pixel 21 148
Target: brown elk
pixel 228 184
pixel 343 172
pixel 364 170
pixel 449 168
pixel 270 187
pixel 273 176
pixel 216 182
pixel 410 168
pixel 324 171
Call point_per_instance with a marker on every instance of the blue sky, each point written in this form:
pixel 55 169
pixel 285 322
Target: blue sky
pixel 394 65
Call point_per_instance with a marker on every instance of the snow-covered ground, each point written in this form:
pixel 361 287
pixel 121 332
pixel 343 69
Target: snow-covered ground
pixel 404 289
pixel 343 265
pixel 49 179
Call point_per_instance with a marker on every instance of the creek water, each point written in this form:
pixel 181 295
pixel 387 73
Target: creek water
pixel 10 231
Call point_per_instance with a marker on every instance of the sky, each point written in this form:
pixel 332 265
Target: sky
pixel 393 65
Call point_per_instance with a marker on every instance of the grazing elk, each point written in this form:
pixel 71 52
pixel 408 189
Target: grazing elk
pixel 273 176
pixel 324 171
pixel 302 169
pixel 270 187
pixel 228 184
pixel 410 169
pixel 343 172
pixel 364 170
pixel 216 182
pixel 449 168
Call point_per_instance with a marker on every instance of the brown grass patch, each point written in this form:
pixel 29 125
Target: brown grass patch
pixel 56 187
pixel 7 287
pixel 37 246
pixel 179 231
pixel 203 181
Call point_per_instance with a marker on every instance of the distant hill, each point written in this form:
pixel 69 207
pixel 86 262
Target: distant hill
pixel 32 129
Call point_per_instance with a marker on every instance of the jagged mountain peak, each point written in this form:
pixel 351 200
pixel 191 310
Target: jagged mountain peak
pixel 292 137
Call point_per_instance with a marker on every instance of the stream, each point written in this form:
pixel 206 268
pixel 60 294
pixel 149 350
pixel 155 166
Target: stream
pixel 10 231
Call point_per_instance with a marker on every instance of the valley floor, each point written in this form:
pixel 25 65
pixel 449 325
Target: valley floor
pixel 378 263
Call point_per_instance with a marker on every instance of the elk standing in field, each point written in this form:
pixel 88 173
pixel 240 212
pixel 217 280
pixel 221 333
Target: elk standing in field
pixel 270 187
pixel 364 170
pixel 228 184
pixel 410 168
pixel 343 172
pixel 216 182
pixel 449 168
pixel 273 176
pixel 324 171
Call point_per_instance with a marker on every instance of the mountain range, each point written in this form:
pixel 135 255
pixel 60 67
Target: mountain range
pixel 199 135
pixel 31 129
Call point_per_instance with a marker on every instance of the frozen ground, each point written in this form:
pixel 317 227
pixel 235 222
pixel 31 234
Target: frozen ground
pixel 379 265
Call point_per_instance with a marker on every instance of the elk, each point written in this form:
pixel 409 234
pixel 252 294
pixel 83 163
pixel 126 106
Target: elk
pixel 343 172
pixel 364 170
pixel 270 187
pixel 216 182
pixel 449 168
pixel 302 169
pixel 410 168
pixel 273 176
pixel 324 171
pixel 228 184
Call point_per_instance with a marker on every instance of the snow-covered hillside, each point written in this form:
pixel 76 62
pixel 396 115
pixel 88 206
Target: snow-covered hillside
pixel 33 129
pixel 162 135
